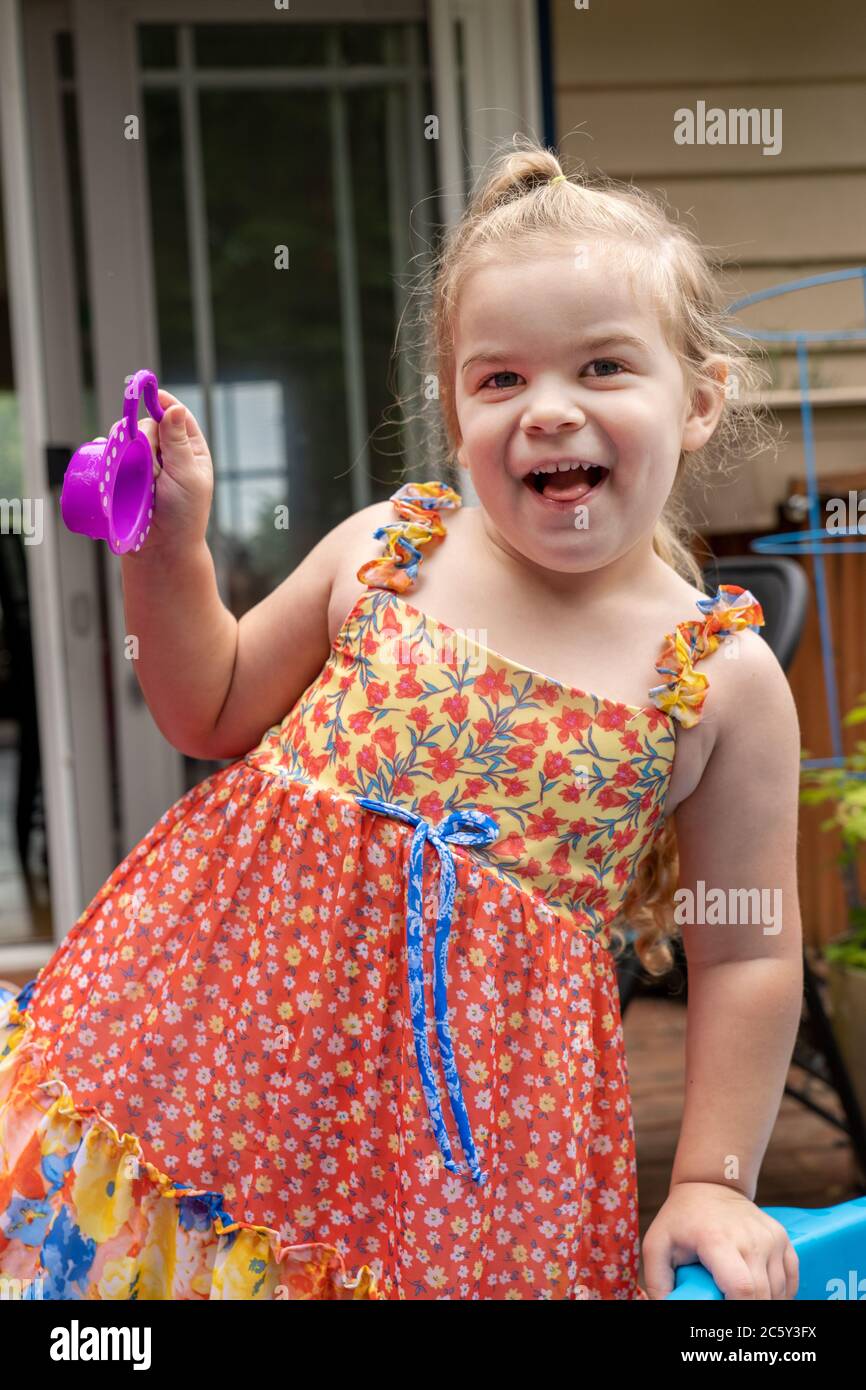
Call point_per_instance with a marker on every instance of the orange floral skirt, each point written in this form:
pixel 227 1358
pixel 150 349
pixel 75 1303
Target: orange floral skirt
pixel 212 1089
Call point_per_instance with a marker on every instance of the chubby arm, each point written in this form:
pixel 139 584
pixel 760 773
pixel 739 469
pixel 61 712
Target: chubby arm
pixel 736 832
pixel 283 642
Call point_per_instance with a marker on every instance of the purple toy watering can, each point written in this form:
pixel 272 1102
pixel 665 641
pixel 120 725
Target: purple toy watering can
pixel 109 489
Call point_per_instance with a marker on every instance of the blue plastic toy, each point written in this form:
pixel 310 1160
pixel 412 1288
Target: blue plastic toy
pixel 831 1246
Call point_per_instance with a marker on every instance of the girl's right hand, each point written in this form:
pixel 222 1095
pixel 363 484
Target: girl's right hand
pixel 184 482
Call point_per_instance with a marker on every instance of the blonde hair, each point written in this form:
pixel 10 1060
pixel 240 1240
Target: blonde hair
pixel 521 201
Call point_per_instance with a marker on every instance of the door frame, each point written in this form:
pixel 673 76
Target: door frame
pixel 61 573
pixel 501 83
pixel 500 91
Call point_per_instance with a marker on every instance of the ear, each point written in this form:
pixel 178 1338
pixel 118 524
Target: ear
pixel 705 406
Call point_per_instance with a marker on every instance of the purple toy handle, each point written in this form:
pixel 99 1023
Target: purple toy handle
pixel 109 490
pixel 142 383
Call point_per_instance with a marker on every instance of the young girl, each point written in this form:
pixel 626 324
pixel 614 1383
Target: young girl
pixel 345 1024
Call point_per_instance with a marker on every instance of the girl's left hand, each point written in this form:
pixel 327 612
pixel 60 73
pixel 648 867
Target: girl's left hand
pixel 747 1253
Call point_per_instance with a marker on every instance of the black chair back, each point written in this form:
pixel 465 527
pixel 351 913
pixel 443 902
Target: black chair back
pixel 779 584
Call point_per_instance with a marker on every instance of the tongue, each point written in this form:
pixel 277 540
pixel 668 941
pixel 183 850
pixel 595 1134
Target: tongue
pixel 568 486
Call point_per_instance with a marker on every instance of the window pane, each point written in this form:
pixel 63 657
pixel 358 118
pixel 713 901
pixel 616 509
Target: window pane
pixel 280 326
pixel 288 44
pixel 170 247
pixel 69 111
pixel 279 430
pixel 25 903
pixel 65 54
pixel 362 43
pixel 378 265
pixel 157 45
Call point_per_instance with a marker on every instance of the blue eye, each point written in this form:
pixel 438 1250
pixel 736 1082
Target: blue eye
pixel 607 362
pixel 488 379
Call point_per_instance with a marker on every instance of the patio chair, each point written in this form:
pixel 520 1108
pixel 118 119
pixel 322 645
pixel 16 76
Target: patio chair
pixel 780 586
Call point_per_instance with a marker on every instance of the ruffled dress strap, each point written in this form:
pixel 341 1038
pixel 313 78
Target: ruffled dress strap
pixel 683 694
pixel 420 527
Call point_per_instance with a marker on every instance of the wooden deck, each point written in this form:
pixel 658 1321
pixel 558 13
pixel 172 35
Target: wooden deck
pixel 808 1162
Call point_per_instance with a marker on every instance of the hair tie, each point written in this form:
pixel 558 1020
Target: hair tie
pixel 556 178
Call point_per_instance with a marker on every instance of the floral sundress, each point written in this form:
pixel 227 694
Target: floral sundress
pixel 345 1024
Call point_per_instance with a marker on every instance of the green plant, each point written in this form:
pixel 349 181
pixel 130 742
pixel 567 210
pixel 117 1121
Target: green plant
pixel 846 787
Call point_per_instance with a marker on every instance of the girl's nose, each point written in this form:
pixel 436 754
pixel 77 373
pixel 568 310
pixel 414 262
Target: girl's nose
pixel 551 412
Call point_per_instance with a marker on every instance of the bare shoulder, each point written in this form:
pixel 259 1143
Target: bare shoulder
pixel 364 522
pixel 739 824
pixel 358 543
pixel 681 597
pixel 354 544
pixel 749 714
pixel 354 536
pixel 744 672
pixel 752 691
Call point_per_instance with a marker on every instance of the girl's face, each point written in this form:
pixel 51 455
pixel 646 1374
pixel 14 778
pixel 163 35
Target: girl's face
pixel 556 360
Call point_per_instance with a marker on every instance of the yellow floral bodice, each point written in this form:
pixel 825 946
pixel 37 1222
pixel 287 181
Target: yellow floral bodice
pixel 410 711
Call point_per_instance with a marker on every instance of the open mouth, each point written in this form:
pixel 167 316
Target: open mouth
pixel 567 484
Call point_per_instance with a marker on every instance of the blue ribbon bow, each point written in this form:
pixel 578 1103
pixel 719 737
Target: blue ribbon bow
pixel 462 828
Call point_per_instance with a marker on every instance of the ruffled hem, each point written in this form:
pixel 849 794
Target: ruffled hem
pixel 731 610
pixel 83 1215
pixel 418 504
